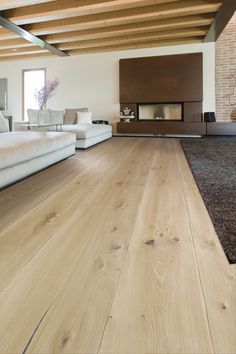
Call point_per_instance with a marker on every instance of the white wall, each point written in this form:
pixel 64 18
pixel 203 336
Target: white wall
pixel 93 80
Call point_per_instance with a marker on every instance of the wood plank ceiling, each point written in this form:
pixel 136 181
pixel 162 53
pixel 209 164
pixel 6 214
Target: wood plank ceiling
pixel 90 26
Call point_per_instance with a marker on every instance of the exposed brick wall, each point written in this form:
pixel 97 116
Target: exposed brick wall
pixel 226 73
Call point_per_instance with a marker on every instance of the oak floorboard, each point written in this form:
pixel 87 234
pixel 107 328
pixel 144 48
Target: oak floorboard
pixel 20 198
pixel 117 256
pixel 20 242
pixel 218 277
pixel 79 327
pixel 158 306
pixel 43 279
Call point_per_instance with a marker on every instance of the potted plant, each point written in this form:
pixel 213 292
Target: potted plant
pixel 45 93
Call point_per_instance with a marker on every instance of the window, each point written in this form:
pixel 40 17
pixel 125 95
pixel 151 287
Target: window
pixel 32 79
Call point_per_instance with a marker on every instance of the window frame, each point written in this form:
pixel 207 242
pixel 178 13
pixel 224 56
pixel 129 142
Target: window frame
pixel 23 87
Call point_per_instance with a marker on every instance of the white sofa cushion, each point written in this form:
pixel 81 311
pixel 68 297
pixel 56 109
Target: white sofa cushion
pixel 84 117
pixel 56 116
pixel 17 147
pixel 84 131
pixel 45 116
pixel 71 116
pixel 4 125
pixel 33 115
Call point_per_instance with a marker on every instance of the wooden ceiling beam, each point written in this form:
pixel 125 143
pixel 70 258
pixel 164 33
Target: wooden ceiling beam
pixel 19 51
pixel 29 36
pixel 139 37
pixel 14 43
pixel 71 8
pixel 91 50
pixel 179 8
pixel 139 45
pixel 104 32
pixel 146 26
pixel 10 4
pixel 27 56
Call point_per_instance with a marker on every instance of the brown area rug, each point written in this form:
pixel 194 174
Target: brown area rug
pixel 213 164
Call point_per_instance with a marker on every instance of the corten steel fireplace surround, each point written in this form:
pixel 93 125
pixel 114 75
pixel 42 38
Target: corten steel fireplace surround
pixel 172 79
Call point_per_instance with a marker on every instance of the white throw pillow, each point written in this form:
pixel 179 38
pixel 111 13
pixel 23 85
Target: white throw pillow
pixel 4 126
pixel 84 117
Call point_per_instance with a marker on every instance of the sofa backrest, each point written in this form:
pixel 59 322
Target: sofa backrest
pixel 33 115
pixel 56 116
pixel 45 116
pixel 70 116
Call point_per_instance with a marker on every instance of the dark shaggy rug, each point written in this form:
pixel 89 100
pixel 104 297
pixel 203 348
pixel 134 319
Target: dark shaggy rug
pixel 213 164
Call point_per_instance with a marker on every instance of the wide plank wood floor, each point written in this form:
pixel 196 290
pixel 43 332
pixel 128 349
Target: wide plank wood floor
pixel 113 252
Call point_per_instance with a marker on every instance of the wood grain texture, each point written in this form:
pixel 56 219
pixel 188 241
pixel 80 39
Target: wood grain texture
pixel 106 32
pixel 90 20
pixel 159 287
pixel 118 256
pixel 218 279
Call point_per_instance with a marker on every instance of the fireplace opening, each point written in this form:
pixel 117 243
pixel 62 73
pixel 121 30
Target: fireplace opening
pixel 160 111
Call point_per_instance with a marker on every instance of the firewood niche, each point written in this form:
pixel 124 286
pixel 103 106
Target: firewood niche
pixel 164 92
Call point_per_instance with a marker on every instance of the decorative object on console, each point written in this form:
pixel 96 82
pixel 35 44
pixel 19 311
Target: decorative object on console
pixel 46 92
pixel 126 115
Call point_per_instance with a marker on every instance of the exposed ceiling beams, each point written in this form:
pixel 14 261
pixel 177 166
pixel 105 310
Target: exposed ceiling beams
pixel 30 37
pixel 89 26
pixel 134 15
pixel 72 8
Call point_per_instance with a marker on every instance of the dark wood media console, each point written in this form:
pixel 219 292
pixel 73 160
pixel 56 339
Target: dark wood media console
pixel 180 128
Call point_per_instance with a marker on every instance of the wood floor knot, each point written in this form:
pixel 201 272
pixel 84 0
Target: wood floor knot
pixel 120 183
pixel 65 339
pixel 98 264
pixel 45 221
pixel 50 216
pixel 223 306
pixel 116 247
pixel 176 239
pixel 150 242
pixel 119 204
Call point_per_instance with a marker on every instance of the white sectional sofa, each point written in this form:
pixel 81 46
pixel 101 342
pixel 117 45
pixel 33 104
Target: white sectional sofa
pixel 24 153
pixel 86 134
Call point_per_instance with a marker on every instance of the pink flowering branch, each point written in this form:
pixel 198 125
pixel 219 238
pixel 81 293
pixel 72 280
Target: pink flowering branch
pixel 46 92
